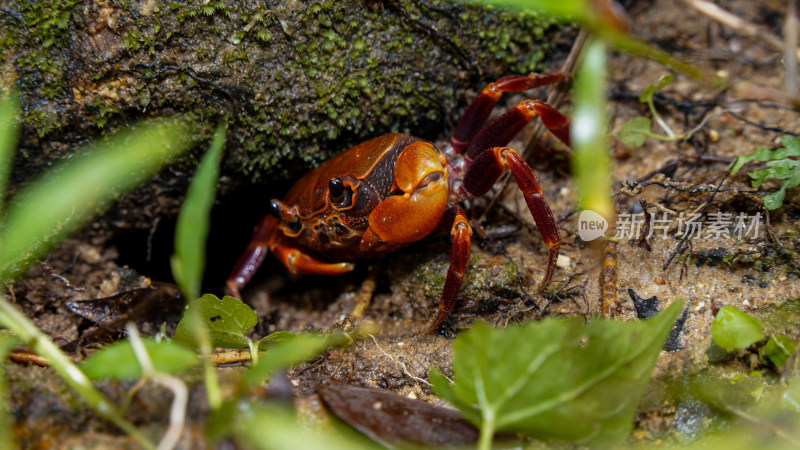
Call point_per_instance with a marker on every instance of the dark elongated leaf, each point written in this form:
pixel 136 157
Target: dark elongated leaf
pixel 391 419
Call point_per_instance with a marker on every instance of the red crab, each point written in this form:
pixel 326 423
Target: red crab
pixel 396 189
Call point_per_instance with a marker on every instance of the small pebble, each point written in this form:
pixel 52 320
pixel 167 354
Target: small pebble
pixel 563 261
pixel 700 306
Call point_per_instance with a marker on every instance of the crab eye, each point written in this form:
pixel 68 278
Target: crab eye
pixel 336 190
pixel 275 209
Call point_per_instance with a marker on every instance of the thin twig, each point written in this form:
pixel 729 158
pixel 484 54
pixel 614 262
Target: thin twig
pixel 180 394
pixel 702 211
pixel 33 337
pixel 400 363
pixel 790 50
pixel 737 23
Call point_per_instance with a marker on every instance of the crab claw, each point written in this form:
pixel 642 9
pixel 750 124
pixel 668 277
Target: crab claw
pixel 420 176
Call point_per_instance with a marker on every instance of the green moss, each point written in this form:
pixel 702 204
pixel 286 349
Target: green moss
pixel 296 79
pixel 104 112
pixel 38 40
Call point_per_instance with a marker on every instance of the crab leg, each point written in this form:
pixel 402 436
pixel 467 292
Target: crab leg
pixel 251 258
pixel 459 257
pixel 484 172
pixel 298 261
pixel 500 132
pixel 478 111
pixel 293 258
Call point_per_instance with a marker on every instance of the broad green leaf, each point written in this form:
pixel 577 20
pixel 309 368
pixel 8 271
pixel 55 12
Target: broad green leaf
pixel 779 348
pixel 733 328
pixel 118 360
pixel 288 353
pixel 68 195
pixel 6 422
pixel 274 338
pixel 591 162
pixel 635 131
pixel 192 229
pixel 228 321
pixel 556 379
pixel 276 427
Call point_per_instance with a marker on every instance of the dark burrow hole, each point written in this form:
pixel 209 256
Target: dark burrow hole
pixel 233 219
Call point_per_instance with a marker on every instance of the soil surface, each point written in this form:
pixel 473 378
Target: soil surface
pixel 756 272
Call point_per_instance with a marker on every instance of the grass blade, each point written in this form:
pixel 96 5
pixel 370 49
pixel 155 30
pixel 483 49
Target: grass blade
pixel 191 232
pixel 8 134
pixel 66 197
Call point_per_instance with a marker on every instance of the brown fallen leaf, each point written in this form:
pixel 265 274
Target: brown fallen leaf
pixel 391 419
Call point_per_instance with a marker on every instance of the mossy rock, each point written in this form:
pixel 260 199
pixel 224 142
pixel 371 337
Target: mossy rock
pixel 299 82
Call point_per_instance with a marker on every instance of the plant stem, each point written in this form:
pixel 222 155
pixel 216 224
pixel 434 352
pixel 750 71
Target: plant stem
pixel 200 333
pixel 39 342
pixel 253 351
pixel 487 430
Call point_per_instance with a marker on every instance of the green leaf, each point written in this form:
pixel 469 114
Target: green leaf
pixel 792 145
pixel 274 338
pixel 6 422
pixel 734 329
pixel 289 353
pixel 591 164
pixel 779 348
pixel 556 379
pixel 573 9
pixel 67 196
pixel 228 321
pixel 9 125
pixel 775 199
pixel 118 360
pixel 635 131
pixel 274 426
pixel 760 154
pixel 192 229
pixel 779 167
pixel 647 94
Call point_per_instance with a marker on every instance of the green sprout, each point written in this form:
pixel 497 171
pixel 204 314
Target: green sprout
pixel 636 131
pixel 780 166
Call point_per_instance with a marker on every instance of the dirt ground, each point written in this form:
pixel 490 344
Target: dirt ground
pixel 757 273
